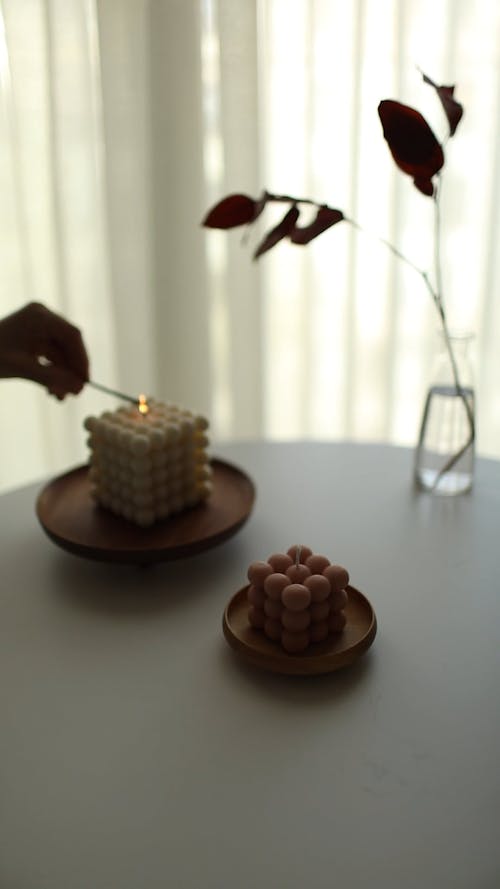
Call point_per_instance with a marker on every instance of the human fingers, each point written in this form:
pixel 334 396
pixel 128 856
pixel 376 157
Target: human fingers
pixel 65 340
pixel 59 381
pixel 34 338
pixel 48 335
pixel 73 349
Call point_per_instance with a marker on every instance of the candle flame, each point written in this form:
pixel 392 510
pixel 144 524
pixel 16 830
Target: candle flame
pixel 143 405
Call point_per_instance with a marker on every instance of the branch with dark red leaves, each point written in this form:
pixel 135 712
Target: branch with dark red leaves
pixel 240 209
pixel 453 109
pixel 414 148
pixel 416 152
pixel 412 143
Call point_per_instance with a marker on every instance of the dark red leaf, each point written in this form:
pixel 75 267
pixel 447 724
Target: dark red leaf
pixel 424 185
pixel 411 141
pixel 279 231
pixel 324 219
pixel 453 109
pixel 235 209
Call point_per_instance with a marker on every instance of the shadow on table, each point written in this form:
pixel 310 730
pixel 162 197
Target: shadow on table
pixel 124 590
pixel 308 690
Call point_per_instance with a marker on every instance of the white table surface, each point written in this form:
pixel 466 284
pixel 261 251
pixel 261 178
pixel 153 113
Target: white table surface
pixel 138 752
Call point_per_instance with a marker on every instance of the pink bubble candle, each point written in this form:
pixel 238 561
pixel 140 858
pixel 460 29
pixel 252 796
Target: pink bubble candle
pixel 297 598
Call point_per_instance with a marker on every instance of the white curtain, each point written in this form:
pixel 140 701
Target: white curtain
pixel 122 121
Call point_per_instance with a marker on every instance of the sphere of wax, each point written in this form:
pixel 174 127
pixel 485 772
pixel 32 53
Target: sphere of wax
pixel 158 421
pixel 107 431
pixel 338 600
pixel 295 621
pixel 319 587
pixel 258 572
pixel 280 562
pixel 256 596
pixel 317 564
pixel 160 475
pixel 89 423
pixel 173 469
pixel 304 552
pixel 272 608
pixel 199 455
pixel 140 445
pixel 201 422
pixel 338 576
pixel 187 426
pixel 274 585
pixel 140 465
pixel 127 493
pixel 175 484
pixel 143 498
pixel 273 629
pixel 296 597
pixel 297 573
pixel 319 631
pixel 202 472
pixel 158 458
pixel 256 617
pixel 201 440
pixel 172 433
pixel 293 643
pixel 114 435
pixel 124 439
pixel 138 482
pixel 336 621
pixel 319 611
pixel 160 492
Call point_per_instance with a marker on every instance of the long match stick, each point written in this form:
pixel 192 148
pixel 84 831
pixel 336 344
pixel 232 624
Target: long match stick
pixel 114 392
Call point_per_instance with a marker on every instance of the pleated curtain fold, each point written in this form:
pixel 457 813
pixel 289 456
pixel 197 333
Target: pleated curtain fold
pixel 122 122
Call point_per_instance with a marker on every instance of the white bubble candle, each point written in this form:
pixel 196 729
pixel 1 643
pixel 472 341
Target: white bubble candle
pixel 149 461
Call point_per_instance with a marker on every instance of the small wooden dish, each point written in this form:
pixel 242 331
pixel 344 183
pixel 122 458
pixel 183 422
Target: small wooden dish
pixel 76 523
pixel 337 651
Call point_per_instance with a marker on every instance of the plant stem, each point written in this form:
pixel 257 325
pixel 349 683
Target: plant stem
pixel 436 294
pixel 438 301
pixel 288 199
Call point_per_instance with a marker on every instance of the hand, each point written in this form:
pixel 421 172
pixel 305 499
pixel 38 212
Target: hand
pixel 37 344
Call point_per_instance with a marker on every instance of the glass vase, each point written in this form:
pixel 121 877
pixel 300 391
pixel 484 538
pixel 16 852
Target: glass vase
pixel 444 462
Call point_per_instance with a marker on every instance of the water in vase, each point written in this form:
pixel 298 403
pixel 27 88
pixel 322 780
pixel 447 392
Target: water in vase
pixel 444 432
